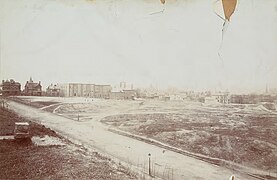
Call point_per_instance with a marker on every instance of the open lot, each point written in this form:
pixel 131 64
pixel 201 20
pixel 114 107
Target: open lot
pixel 248 140
pixel 241 134
pixel 49 156
pixel 244 134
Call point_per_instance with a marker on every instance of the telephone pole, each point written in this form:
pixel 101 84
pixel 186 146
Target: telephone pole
pixel 149 164
pixel 0 52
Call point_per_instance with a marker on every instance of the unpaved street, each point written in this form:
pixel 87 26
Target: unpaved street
pixel 164 163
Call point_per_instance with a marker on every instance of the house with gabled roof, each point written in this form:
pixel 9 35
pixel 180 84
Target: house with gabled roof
pixel 32 88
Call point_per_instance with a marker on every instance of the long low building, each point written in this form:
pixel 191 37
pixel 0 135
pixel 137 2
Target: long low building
pixel 84 90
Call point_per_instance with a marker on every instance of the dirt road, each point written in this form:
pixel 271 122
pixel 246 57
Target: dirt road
pixel 165 164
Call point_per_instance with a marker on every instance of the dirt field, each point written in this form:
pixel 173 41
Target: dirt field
pixel 59 159
pixel 243 134
pixel 234 133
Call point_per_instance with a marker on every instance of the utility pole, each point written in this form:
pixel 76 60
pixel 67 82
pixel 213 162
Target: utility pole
pixel 149 166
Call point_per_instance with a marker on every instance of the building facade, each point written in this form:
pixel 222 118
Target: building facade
pixel 76 90
pixel 102 91
pixel 10 88
pixel 85 90
pixel 32 88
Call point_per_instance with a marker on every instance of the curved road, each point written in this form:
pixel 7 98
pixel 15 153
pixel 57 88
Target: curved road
pixel 164 163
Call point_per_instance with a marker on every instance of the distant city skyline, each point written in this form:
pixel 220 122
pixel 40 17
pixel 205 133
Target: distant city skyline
pixel 106 42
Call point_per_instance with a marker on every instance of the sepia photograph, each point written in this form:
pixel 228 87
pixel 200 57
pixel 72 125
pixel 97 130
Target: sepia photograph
pixel 138 89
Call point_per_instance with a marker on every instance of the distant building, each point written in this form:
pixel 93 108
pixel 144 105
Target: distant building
pixel 222 97
pixel 53 90
pixel 84 90
pixel 175 97
pixel 119 95
pixel 32 88
pixel 252 99
pixel 76 90
pixel 267 98
pixel 166 98
pixel 130 94
pixel 124 94
pixel 125 86
pixel 10 88
pixel 211 99
pixel 102 91
pixel 123 91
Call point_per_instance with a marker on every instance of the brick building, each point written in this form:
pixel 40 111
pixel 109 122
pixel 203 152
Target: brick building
pixel 10 88
pixel 85 90
pixel 102 91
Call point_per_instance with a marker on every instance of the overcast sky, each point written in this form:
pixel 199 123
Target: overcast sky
pixel 108 41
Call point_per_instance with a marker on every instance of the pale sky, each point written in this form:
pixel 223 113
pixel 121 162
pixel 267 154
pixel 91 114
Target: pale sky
pixel 108 41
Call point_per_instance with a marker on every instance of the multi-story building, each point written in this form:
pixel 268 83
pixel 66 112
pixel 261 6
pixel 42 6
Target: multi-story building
pixel 32 88
pixel 85 90
pixel 102 91
pixel 76 90
pixel 10 88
